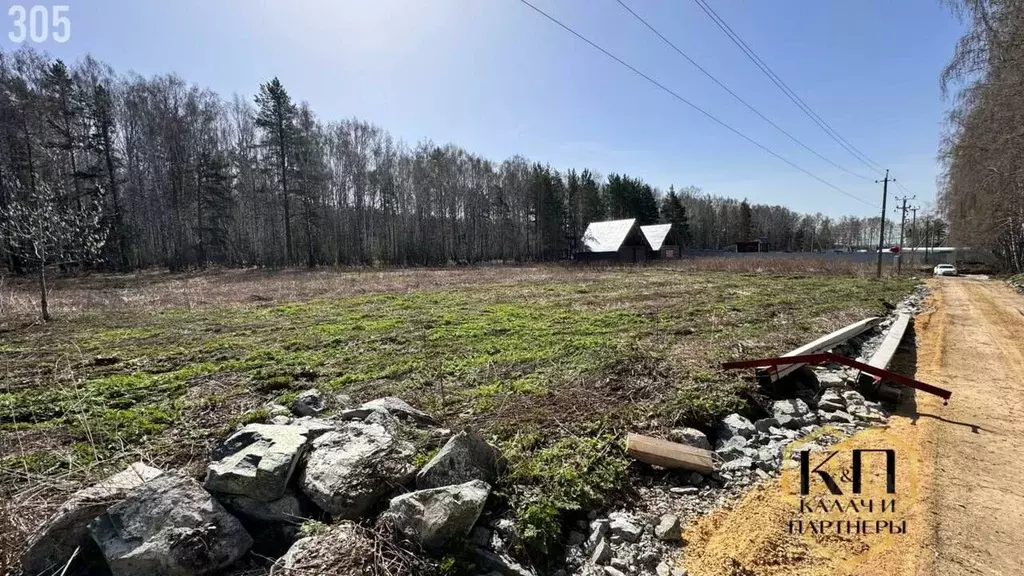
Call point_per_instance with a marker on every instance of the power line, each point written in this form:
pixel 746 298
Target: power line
pixel 691 104
pixel 903 188
pixel 804 107
pixel 734 95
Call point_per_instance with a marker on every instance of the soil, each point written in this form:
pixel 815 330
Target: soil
pixel 958 465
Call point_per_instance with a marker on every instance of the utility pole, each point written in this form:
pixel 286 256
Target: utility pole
pixel 917 235
pixel 903 225
pixel 881 233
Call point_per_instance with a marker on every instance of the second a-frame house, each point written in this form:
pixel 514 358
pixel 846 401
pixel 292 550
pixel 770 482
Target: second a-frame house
pixel 664 240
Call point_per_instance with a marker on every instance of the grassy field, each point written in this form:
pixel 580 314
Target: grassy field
pixel 553 363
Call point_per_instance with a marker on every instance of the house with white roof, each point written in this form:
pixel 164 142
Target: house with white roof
pixel 614 241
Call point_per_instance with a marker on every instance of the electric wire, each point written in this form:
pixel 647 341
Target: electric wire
pixel 735 95
pixel 692 105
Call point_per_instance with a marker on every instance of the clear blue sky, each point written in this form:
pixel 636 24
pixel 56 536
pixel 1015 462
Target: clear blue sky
pixel 497 79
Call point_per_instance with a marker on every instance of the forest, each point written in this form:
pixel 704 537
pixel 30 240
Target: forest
pixel 114 171
pixel 983 150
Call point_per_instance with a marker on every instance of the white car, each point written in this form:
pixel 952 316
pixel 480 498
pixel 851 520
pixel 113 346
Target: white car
pixel 945 270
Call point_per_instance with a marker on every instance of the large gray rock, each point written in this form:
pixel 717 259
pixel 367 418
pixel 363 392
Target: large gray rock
pixel 285 510
pixel 853 398
pixel 736 425
pixel 837 417
pixel 54 543
pixel 765 425
pixel 435 516
pixel 769 458
pixel 317 554
pixel 315 427
pixel 467 456
pixel 625 529
pixel 789 422
pixel 690 437
pixel 830 378
pixel 257 461
pixel 866 413
pixel 602 552
pixel 598 529
pixel 347 471
pixel 831 401
pixel 169 526
pixel 309 403
pixel 668 528
pixel 738 464
pixel 795 408
pixel 401 410
pixel 735 447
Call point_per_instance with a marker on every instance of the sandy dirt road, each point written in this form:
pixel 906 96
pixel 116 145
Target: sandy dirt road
pixel 972 342
pixel 962 463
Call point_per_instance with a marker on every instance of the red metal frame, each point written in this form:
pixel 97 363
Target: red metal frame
pixel 822 357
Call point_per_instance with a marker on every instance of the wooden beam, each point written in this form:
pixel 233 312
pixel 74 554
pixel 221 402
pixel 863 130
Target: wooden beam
pixel 669 455
pixel 883 356
pixel 823 344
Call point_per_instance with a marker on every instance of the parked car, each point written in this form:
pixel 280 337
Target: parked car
pixel 945 270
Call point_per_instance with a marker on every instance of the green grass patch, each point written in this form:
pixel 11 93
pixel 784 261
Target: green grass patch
pixel 553 369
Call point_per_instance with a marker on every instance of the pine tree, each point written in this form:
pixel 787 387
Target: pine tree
pixel 214 208
pixel 99 111
pixel 63 110
pixel 592 206
pixel 276 117
pixel 673 212
pixel 746 222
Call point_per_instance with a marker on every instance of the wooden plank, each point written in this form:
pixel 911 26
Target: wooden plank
pixel 883 356
pixel 823 344
pixel 669 455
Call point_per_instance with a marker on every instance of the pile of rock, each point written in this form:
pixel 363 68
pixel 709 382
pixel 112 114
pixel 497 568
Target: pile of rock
pixel 622 544
pixel 262 483
pixel 756 449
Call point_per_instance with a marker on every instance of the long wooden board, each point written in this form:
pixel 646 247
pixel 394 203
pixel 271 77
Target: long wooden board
pixel 823 344
pixel 670 455
pixel 883 356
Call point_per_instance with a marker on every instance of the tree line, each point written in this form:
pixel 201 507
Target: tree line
pixel 154 171
pixel 982 191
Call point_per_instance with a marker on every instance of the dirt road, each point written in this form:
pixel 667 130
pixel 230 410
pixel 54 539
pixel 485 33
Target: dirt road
pixel 972 342
pixel 966 461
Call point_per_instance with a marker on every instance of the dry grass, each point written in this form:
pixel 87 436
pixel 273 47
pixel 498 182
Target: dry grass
pixel 157 290
pixel 550 360
pixel 348 549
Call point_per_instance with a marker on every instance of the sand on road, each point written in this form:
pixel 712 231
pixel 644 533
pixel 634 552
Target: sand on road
pixel 961 464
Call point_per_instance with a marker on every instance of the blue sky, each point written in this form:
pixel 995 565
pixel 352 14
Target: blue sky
pixel 497 79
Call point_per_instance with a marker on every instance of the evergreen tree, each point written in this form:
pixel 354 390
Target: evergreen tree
pixel 214 208
pixel 63 110
pixel 631 198
pixel 276 117
pixel 673 212
pixel 746 222
pixel 592 206
pixel 99 145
